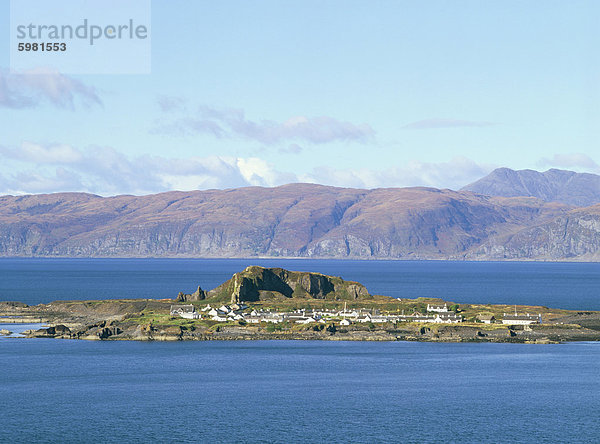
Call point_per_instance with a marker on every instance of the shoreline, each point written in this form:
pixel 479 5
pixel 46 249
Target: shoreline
pixel 274 303
pixel 409 332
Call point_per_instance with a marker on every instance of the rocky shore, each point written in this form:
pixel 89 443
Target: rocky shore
pixel 468 333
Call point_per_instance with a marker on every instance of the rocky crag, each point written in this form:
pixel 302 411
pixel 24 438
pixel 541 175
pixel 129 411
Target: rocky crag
pixel 263 284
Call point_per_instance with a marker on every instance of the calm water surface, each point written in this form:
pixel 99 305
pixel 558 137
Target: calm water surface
pixel 559 285
pixel 303 391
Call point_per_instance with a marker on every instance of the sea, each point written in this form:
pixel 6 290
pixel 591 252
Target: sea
pixel 299 391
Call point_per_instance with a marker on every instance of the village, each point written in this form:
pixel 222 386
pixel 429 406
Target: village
pixel 437 314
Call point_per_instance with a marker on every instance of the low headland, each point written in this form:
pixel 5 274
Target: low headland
pixel 273 303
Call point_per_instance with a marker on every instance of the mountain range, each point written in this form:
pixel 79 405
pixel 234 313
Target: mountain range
pixel 507 215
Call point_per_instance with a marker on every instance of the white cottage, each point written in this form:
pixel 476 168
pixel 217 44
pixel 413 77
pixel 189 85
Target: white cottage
pixel 438 308
pixel 184 311
pixel 517 319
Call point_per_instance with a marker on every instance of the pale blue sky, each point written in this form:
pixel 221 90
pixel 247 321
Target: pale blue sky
pixel 348 93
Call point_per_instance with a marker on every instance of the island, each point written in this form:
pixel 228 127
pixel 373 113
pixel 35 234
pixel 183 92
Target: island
pixel 273 303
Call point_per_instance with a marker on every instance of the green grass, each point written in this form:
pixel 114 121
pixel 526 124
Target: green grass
pixel 154 318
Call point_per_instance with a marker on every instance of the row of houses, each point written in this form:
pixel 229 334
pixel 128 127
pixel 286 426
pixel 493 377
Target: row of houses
pixel 236 313
pixel 512 319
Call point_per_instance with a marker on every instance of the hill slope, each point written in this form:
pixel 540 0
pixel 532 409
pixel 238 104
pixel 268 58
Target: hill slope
pixel 300 220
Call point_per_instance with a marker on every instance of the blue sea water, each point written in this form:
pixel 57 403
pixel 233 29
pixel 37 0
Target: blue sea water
pixel 298 391
pixel 558 285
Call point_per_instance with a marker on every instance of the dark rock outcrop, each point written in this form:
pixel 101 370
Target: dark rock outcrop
pixel 257 283
pixel 107 332
pixel 52 332
pixel 198 295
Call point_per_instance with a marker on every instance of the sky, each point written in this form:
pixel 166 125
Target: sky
pixel 363 94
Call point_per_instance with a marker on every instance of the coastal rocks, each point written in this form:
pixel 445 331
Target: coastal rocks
pixel 168 333
pixel 12 306
pixel 50 332
pixel 107 332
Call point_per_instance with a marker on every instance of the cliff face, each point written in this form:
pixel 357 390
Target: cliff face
pixel 298 220
pixel 574 235
pixel 258 283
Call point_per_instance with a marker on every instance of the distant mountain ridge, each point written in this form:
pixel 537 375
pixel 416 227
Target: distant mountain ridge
pixel 302 220
pixel 569 187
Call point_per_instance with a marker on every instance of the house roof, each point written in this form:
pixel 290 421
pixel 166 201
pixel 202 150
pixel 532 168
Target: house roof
pixel 183 308
pixel 520 317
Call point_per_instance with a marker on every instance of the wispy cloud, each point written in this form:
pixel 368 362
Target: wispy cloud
pixel 445 123
pixel 570 160
pixel 170 103
pixel 103 170
pixel 453 174
pixel 40 154
pixel 34 87
pixel 230 122
pixel 36 168
pixel 34 181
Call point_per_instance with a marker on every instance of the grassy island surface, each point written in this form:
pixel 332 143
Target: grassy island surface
pixel 273 303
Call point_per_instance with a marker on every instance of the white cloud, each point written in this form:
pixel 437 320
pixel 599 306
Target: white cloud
pixel 33 181
pixel 103 170
pixel 445 123
pixel 258 172
pixel 31 88
pixel 453 174
pixel 230 122
pixel 570 160
pixel 32 152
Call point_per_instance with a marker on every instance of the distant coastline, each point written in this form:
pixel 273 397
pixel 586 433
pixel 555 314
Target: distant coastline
pixel 508 216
